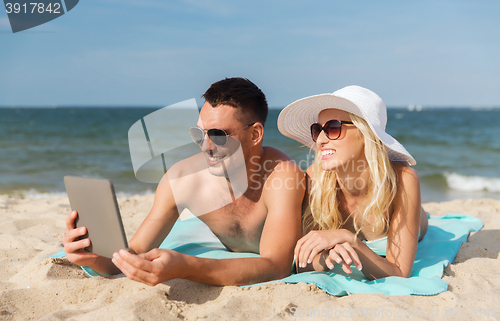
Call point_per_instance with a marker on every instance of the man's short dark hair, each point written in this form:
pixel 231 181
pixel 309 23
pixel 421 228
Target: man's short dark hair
pixel 241 94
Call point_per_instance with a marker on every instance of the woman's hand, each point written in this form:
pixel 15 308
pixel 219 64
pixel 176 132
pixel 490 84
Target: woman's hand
pixel 343 254
pixel 337 242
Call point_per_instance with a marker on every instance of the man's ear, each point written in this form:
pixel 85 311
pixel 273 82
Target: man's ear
pixel 257 133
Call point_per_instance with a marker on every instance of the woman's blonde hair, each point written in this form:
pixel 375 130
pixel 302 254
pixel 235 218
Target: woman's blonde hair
pixel 323 211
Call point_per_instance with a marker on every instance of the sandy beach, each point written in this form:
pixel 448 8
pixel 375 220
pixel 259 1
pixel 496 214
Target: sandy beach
pixel 33 286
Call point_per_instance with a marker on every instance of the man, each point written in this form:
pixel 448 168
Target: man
pixel 265 219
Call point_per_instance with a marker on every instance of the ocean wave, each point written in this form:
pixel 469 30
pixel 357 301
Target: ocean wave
pixel 130 194
pixel 34 193
pixel 466 183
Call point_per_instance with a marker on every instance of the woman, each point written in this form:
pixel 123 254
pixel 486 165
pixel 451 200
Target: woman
pixel 364 200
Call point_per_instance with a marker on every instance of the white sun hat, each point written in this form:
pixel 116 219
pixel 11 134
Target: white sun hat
pixel 295 120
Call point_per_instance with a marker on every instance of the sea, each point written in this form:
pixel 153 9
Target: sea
pixel 457 149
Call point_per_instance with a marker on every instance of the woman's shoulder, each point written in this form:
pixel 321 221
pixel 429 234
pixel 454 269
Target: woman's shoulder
pixel 406 175
pixel 402 168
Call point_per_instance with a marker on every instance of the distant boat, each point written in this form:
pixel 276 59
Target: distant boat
pixel 419 108
pixel 411 107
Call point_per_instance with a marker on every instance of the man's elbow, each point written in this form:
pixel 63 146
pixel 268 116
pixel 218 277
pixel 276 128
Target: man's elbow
pixel 280 270
pixel 282 274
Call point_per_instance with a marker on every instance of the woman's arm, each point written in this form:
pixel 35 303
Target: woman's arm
pixel 402 239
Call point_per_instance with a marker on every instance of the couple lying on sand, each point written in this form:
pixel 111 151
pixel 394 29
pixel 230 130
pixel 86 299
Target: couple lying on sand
pixel 359 190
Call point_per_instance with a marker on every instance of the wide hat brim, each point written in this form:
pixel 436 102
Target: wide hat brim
pixel 295 122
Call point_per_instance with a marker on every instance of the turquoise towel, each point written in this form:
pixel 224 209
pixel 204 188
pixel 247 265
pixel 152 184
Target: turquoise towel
pixel 438 248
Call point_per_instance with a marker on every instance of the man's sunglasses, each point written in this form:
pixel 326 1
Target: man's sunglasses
pixel 217 136
pixel 332 129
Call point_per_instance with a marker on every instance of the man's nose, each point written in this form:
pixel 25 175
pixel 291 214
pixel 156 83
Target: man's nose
pixel 206 145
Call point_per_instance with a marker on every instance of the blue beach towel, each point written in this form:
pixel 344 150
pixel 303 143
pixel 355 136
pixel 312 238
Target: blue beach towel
pixel 437 249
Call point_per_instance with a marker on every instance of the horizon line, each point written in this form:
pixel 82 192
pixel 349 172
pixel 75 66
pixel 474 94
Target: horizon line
pixel 410 107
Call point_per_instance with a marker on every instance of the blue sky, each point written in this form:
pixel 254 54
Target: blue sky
pixel 156 52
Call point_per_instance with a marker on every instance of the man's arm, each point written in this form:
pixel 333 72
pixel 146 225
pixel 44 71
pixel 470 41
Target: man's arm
pixel 283 193
pixel 160 220
pixel 150 234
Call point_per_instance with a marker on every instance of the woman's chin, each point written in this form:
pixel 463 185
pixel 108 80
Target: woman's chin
pixel 329 166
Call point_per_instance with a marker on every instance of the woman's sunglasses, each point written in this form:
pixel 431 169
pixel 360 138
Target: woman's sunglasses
pixel 217 136
pixel 332 129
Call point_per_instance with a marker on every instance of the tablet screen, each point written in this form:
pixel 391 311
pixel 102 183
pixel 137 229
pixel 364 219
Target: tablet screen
pixel 95 201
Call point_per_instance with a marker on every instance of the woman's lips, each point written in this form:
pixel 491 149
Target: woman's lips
pixel 327 153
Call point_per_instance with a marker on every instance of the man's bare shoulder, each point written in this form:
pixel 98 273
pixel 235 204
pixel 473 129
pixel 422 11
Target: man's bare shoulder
pixel 274 153
pixel 310 170
pixel 187 166
pixel 277 161
pixel 284 186
pixel 186 178
pixel 283 174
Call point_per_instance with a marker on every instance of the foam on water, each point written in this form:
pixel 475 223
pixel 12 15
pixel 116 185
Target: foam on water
pixel 465 183
pixel 37 194
pixel 34 193
pixel 130 194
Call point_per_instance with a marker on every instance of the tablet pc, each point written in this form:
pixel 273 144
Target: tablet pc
pixel 95 201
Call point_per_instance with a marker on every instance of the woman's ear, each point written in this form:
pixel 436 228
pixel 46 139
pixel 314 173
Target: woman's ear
pixel 257 133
